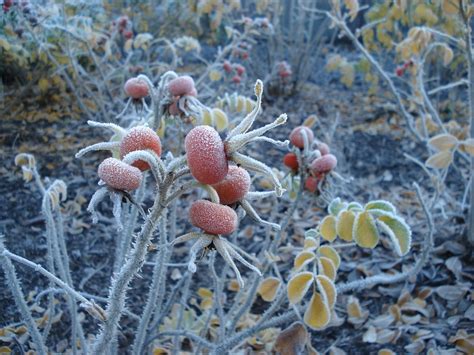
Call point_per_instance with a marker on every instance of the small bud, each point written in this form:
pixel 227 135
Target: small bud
pixel 240 69
pixel 323 148
pixel 311 184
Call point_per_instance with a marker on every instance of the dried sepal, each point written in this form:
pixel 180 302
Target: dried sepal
pixel 444 141
pixel 298 286
pixel 365 231
pixel 28 165
pixel 318 314
pixel 468 146
pixel 268 288
pixel 398 231
pixel 327 228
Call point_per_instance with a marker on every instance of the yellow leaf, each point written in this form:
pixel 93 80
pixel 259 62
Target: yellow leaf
pixel 451 7
pixel 468 146
pixel 310 121
pixel 353 308
pixel 344 226
pixel 327 228
pixel 332 254
pixel 365 232
pixel 43 85
pixel 4 44
pixel 327 268
pixel 303 259
pixel 298 286
pixel 310 243
pixel 5 350
pixel 220 119
pixel 317 314
pixel 328 289
pixel 249 105
pixel 334 62
pixel 158 350
pixel 204 292
pixel 215 75
pixel 353 7
pixel 398 231
pixel 440 160
pixel 447 55
pixel 444 141
pixel 207 118
pixel 268 288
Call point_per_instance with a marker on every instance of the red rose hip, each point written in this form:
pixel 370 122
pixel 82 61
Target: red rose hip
pixel 136 88
pixel 206 156
pixel 324 164
pixel 296 137
pixel 234 187
pixel 291 161
pixel 140 138
pixel 212 217
pixel 119 175
pixel 183 85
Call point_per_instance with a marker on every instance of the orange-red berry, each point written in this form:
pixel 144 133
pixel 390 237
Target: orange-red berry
pixel 324 164
pixel 323 148
pixel 234 187
pixel 212 217
pixel 206 155
pixel 240 69
pixel 182 85
pixel 140 138
pixel 236 79
pixel 227 66
pixel 136 88
pixel 119 175
pixel 291 161
pixel 311 184
pixel 296 137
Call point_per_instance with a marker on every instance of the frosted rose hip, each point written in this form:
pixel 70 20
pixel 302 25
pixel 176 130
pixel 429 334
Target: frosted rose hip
pixel 296 137
pixel 183 85
pixel 311 184
pixel 324 164
pixel 291 161
pixel 140 138
pixel 323 148
pixel 119 175
pixel 212 217
pixel 136 88
pixel 234 187
pixel 206 156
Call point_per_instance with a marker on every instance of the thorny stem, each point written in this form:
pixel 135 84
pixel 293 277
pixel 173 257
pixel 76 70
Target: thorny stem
pixel 470 63
pixel 120 284
pixel 19 298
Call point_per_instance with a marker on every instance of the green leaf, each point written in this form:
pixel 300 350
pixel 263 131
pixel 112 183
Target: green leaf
pixel 336 206
pixel 398 231
pixel 365 231
pixel 355 206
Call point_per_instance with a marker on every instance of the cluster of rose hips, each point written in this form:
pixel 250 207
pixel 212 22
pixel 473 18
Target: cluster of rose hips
pixel 283 69
pixel 242 50
pixel 124 25
pixel 235 69
pixel 400 70
pixel 6 5
pixel 322 162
